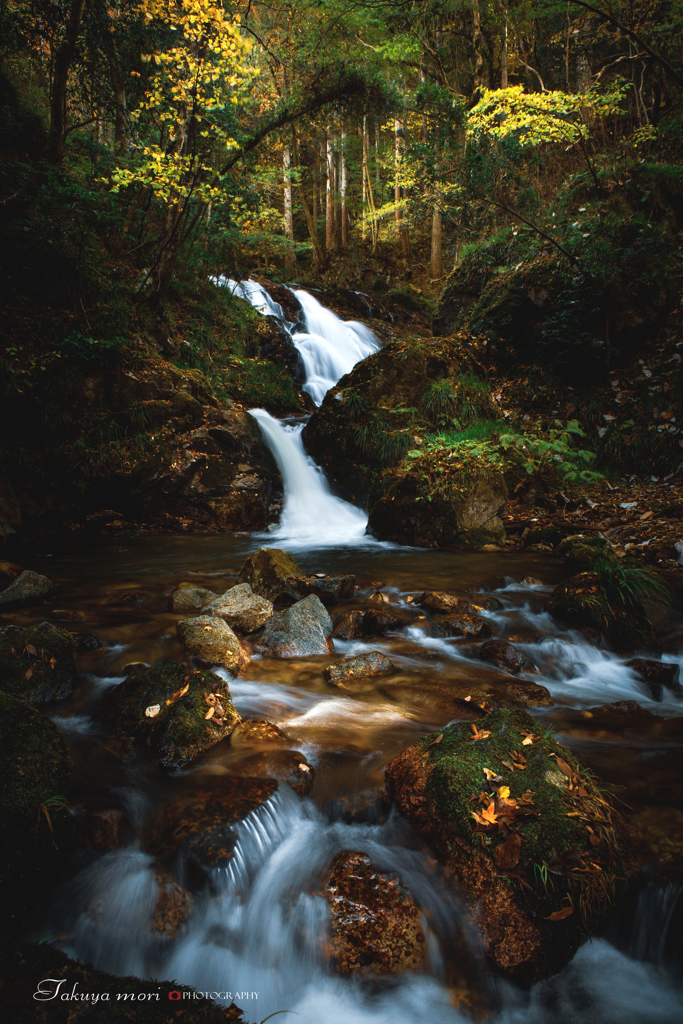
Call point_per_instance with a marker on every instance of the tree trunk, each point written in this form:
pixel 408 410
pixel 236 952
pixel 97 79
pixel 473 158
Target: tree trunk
pixel 476 42
pixel 344 190
pixel 290 258
pixel 311 221
pixel 436 265
pixel 54 146
pixel 119 97
pixel 504 54
pixel 329 198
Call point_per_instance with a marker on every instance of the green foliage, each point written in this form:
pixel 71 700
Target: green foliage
pixel 256 383
pixel 440 401
pixel 627 586
pixel 554 454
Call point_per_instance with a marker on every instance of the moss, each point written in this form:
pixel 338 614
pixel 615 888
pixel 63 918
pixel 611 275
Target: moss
pixel 256 382
pixel 46 675
pixel 180 730
pixel 581 601
pixel 582 553
pixel 267 572
pixel 33 823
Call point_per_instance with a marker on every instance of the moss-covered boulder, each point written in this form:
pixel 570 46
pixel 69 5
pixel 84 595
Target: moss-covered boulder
pixel 581 601
pixel 535 847
pixel 28 588
pixel 37 663
pixel 375 923
pixel 267 572
pixel 33 817
pixel 210 639
pixel 241 608
pixel 582 553
pixel 432 502
pixel 169 711
pixel 189 598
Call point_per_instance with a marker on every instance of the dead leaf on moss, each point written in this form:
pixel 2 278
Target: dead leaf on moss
pixel 437 740
pixel 528 739
pixel 210 713
pixel 491 776
pixel 479 734
pixel 559 915
pixel 506 856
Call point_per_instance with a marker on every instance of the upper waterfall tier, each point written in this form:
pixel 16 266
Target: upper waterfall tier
pixel 329 347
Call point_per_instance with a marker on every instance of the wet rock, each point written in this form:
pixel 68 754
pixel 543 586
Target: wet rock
pixel 348 626
pixel 582 552
pixel 485 585
pixel 371 664
pixel 288 766
pixel 304 629
pixel 196 832
pixel 33 817
pixel 86 642
pixel 173 907
pixel 37 664
pixel 212 640
pixel 466 515
pixel 254 731
pixel 267 572
pixel 330 589
pixel 492 807
pixel 131 667
pixel 375 923
pixel 100 827
pixel 241 608
pixel 581 601
pixel 181 728
pixel 367 807
pixel 188 598
pixel 490 604
pixel 656 675
pixel 503 655
pixel 522 693
pixel 388 620
pixel 445 602
pixel 462 625
pixel 28 588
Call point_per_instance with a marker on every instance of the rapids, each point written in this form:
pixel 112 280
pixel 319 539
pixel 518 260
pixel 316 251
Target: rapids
pixel 261 924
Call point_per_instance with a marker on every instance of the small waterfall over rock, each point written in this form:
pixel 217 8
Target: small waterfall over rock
pixel 329 348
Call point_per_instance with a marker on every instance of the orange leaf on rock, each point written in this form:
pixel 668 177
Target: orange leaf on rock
pixel 479 734
pixel 506 856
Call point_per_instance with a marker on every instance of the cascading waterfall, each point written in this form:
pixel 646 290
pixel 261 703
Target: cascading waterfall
pixel 329 348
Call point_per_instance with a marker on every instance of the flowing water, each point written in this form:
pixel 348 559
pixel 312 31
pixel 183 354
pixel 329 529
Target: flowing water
pixel 261 924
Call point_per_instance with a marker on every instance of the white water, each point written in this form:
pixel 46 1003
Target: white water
pixel 329 348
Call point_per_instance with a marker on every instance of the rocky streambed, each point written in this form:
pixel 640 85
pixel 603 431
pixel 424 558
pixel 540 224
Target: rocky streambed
pixel 363 783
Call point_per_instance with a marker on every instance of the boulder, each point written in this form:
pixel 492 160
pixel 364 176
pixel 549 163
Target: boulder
pixel 528 836
pixel 580 601
pixel 378 622
pixel 375 923
pixel 371 664
pixel 445 602
pixel 464 512
pixel 348 626
pixel 167 711
pixel 188 598
pixel 581 552
pixel 302 630
pixel 173 906
pixel 656 675
pixel 274 762
pixel 28 588
pixel 503 655
pixel 33 812
pixel 462 625
pixel 37 663
pixel 209 638
pixel 196 831
pixel 330 589
pixel 255 731
pixel 86 642
pixel 241 608
pixel 267 572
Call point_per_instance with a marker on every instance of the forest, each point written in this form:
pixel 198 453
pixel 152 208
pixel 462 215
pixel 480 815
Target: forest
pixel 341 488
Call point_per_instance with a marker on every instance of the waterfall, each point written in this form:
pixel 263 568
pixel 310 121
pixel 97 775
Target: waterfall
pixel 329 348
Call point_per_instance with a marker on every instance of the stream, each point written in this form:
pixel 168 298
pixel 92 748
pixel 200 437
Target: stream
pixel 260 925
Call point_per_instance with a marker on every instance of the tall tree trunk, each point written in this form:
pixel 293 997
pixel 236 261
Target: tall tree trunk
pixel 290 258
pixel 368 181
pixel 504 54
pixel 119 96
pixel 477 44
pixel 311 221
pixel 344 189
pixel 329 198
pixel 402 233
pixel 56 136
pixel 436 264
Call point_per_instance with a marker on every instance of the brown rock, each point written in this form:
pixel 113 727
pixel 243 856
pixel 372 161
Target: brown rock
pixel 188 598
pixel 371 664
pixel 209 638
pixel 656 675
pixel 378 622
pixel 173 907
pixel 104 828
pixel 267 572
pixel 376 927
pixel 444 601
pixel 254 731
pixel 348 626
pixel 330 589
pixel 462 625
pixel 503 655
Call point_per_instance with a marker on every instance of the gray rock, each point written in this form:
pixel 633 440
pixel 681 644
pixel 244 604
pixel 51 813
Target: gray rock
pixel 191 599
pixel 371 664
pixel 348 625
pixel 300 631
pixel 212 640
pixel 29 588
pixel 267 572
pixel 330 589
pixel 503 655
pixel 241 608
pixel 462 625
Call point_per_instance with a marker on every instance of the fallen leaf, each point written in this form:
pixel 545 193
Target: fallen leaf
pixel 564 768
pixel 560 915
pixel 31 650
pixel 528 739
pixel 506 856
pixel 509 764
pixel 153 710
pixel 491 776
pixel 210 713
pixel 304 767
pixel 479 734
pixel 504 792
pixel 53 661
pixel 29 674
pixel 437 740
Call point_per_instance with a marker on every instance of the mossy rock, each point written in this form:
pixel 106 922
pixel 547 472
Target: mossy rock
pixel 37 663
pixel 33 816
pixel 521 892
pixel 581 601
pixel 582 553
pixel 267 572
pixel 180 730
pixel 406 506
